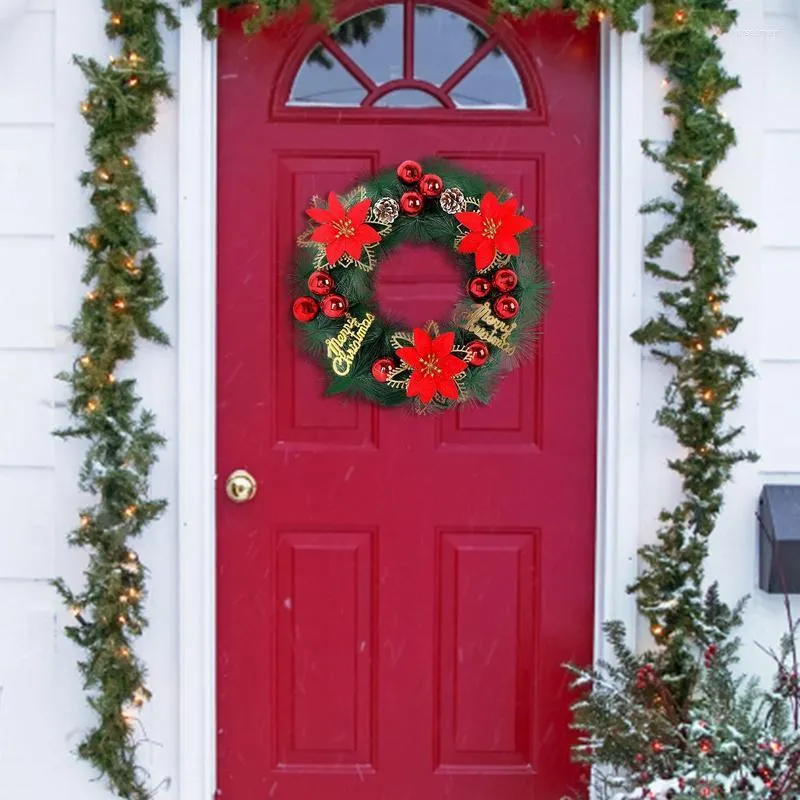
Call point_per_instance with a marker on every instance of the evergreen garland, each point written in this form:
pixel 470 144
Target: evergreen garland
pixel 125 288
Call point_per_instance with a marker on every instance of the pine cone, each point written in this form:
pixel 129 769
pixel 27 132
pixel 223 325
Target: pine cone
pixel 453 201
pixel 386 210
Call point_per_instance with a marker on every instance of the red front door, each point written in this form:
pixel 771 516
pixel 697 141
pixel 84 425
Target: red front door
pixel 396 603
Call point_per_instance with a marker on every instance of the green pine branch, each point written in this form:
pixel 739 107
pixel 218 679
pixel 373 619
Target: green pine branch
pixel 124 290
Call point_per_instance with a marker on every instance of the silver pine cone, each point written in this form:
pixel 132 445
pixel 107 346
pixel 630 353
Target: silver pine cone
pixel 453 201
pixel 386 210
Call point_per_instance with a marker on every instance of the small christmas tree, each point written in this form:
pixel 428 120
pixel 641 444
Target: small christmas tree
pixel 677 722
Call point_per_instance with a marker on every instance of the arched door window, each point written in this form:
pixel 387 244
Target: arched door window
pixel 409 55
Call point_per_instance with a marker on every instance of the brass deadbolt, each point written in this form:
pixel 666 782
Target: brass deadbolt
pixel 241 486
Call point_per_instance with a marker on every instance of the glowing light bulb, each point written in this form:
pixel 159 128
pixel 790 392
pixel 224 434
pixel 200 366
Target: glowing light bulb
pixel 679 16
pixel 116 20
pixel 128 511
pixel 85 520
pixel 125 207
pixel 133 81
pixel 85 361
pixel 92 405
pixel 120 304
pixel 656 629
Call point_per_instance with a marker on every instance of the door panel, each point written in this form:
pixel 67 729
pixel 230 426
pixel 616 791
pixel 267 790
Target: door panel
pixel 397 602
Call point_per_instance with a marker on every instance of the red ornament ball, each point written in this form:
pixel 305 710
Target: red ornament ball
pixel 479 353
pixel 479 288
pixel 505 279
pixel 431 185
pixel 409 172
pixel 411 203
pixel 506 307
pixel 320 282
pixel 334 306
pixel 305 309
pixel 381 369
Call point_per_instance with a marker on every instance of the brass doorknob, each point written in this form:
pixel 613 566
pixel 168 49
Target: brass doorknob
pixel 241 486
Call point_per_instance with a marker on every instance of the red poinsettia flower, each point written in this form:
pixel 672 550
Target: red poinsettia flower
pixel 492 229
pixel 434 366
pixel 342 230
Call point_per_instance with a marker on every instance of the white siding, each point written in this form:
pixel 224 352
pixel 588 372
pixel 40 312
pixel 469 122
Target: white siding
pixel 42 140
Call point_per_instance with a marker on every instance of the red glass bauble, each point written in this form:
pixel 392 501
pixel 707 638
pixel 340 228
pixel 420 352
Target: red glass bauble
pixel 431 185
pixel 334 306
pixel 409 172
pixel 505 279
pixel 381 369
pixel 506 307
pixel 411 203
pixel 320 282
pixel 479 353
pixel 305 309
pixel 479 288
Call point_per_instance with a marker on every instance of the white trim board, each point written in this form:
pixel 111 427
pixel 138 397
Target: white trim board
pixel 619 385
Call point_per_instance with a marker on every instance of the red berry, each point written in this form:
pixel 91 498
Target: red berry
pixel 431 185
pixel 305 309
pixel 506 307
pixel 334 306
pixel 478 353
pixel 320 282
pixel 411 203
pixel 382 368
pixel 409 172
pixel 479 288
pixel 505 279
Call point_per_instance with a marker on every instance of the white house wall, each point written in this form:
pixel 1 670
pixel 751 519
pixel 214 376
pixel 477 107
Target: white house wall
pixel 42 139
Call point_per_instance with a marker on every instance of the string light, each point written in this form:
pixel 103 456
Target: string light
pixel 111 378
pixel 707 395
pixel 75 611
pixel 85 520
pixel 85 361
pixel 93 240
pixel 128 717
pixel 665 83
pixel 122 619
pixel 103 175
pixel 133 593
pixel 657 746
pixel 720 332
pixel 119 304
pixel 601 15
pixel 132 556
pixel 125 161
pixel 129 263
pixel 116 20
pixel 140 697
pixel 124 652
pixel 716 307
pixel 92 296
pixel 92 405
pixel 125 207
pixel 135 58
pixel 679 16
pixel 86 107
pixel 656 629
pixel 133 81
pixel 129 511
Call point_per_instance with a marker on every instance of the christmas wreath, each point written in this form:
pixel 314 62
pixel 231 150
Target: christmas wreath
pixel 435 366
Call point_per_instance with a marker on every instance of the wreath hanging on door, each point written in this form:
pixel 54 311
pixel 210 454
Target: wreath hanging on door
pixel 434 366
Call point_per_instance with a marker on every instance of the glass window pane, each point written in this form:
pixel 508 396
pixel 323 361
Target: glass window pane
pixel 323 81
pixel 374 40
pixel 407 98
pixel 443 41
pixel 492 83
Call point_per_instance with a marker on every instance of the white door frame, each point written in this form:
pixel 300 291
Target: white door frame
pixel 621 247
